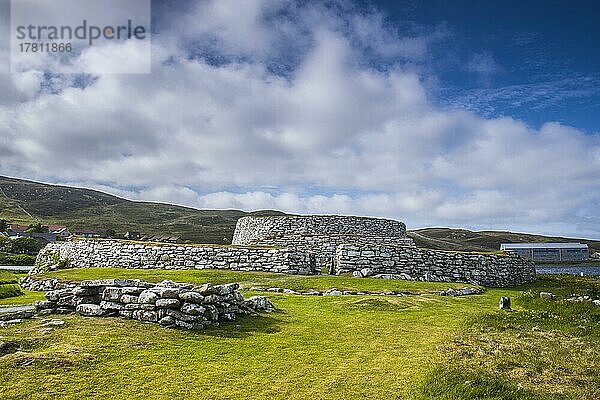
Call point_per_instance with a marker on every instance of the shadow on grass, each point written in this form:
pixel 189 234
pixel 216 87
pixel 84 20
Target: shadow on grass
pixel 246 326
pixel 10 290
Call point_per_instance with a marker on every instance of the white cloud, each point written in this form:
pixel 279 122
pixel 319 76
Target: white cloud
pixel 484 65
pixel 128 57
pixel 331 136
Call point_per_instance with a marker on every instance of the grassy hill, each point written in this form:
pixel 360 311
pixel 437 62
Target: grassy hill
pixel 24 201
pixel 465 240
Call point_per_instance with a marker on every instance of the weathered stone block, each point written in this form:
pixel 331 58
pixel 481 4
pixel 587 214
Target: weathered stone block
pixel 126 314
pixel 87 300
pixel 192 297
pixel 148 297
pixel 168 303
pixel 211 299
pixel 192 309
pixel 68 301
pixel 169 293
pixel 132 290
pixel 227 289
pixel 112 293
pixel 128 299
pixel 182 316
pixel 167 321
pixel 44 305
pixel 143 315
pixel 85 291
pixel 184 324
pixel 547 296
pixel 205 289
pixel 111 305
pixel 98 282
pixel 55 295
pixel 90 310
pixel 259 303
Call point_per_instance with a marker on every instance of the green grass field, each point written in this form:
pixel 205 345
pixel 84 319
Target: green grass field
pixel 418 346
pixel 254 279
pixel 11 293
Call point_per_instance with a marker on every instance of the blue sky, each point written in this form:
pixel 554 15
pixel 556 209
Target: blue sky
pixel 537 61
pixel 482 115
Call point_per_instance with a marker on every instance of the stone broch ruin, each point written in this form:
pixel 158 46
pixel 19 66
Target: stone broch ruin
pixel 302 245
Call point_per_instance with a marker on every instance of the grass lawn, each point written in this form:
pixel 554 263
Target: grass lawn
pixel 24 297
pixel 11 293
pixel 350 347
pixel 8 277
pixel 255 279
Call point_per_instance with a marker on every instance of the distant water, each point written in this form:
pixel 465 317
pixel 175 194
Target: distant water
pixel 588 270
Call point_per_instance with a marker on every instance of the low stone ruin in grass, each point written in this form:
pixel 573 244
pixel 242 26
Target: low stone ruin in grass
pixel 168 303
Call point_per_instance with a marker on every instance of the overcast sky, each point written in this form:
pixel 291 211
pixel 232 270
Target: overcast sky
pixel 469 116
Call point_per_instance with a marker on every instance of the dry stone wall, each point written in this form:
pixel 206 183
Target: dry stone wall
pixel 331 242
pixel 123 254
pixel 170 304
pixel 323 247
pixel 300 245
pixel 319 235
pixel 433 265
pixel 250 230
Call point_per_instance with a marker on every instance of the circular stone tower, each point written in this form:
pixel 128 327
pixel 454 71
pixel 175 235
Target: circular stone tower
pixel 319 235
pixel 254 230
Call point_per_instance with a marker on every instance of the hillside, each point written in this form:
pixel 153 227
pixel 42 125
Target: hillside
pixel 26 202
pixel 465 240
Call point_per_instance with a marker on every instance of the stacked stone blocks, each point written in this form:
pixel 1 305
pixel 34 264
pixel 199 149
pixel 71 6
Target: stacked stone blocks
pixel 168 303
pixel 301 245
pixel 319 235
pixel 123 254
pixel 255 229
pixel 493 270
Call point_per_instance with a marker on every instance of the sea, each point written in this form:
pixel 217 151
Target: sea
pixel 586 270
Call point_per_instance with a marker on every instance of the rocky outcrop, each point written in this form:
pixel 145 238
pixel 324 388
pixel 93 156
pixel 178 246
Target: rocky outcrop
pixel 14 317
pixel 167 303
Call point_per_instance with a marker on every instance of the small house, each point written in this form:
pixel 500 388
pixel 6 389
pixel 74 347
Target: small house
pixel 58 230
pixel 16 229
